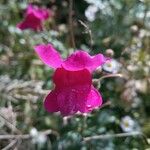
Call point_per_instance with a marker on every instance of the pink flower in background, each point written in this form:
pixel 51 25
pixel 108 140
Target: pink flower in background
pixel 73 81
pixel 34 18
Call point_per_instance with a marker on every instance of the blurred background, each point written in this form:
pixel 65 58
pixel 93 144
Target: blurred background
pixel 119 29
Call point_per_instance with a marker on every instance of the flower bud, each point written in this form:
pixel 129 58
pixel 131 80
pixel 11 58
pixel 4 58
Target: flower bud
pixel 109 53
pixel 134 29
pixel 98 70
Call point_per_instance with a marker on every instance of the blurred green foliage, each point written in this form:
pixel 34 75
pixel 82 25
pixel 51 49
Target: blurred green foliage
pixel 121 25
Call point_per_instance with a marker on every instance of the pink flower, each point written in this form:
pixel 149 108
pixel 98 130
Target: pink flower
pixel 34 18
pixel 73 81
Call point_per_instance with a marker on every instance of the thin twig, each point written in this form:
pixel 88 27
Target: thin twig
pixel 112 76
pixel 98 81
pixel 10 124
pixel 71 24
pixel 10 136
pixel 87 31
pixel 10 145
pixel 14 90
pixel 107 136
pixel 105 104
pixel 26 136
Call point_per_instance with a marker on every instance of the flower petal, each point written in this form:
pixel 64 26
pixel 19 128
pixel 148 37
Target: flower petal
pixel 48 55
pixel 50 102
pixel 32 22
pixel 82 60
pixel 72 79
pixel 34 17
pixel 72 88
pixel 67 101
pixel 93 100
pixel 41 13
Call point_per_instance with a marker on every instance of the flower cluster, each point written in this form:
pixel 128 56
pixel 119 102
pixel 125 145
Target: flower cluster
pixel 34 18
pixel 73 81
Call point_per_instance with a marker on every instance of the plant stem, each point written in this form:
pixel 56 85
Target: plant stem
pixel 108 136
pixel 71 24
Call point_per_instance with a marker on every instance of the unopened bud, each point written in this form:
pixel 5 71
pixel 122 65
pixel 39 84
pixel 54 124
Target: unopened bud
pixel 134 29
pixel 109 53
pixel 98 70
pixel 96 83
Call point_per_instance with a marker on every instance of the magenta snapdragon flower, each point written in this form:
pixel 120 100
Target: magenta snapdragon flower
pixel 73 90
pixel 34 18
